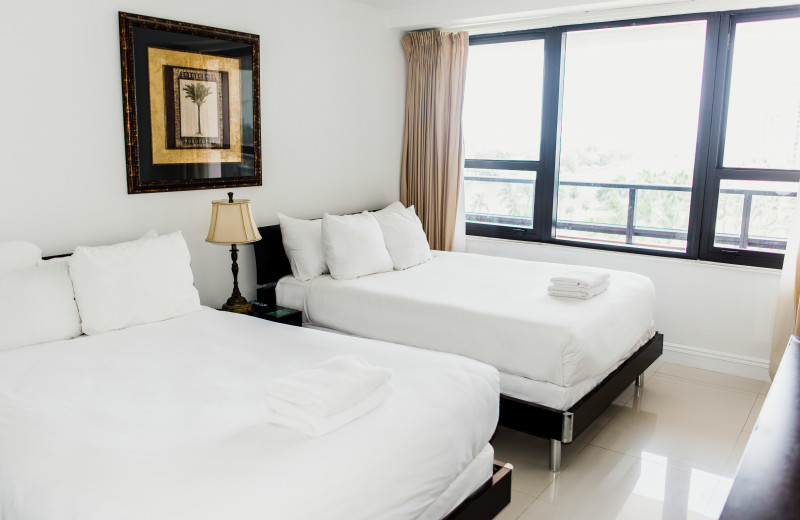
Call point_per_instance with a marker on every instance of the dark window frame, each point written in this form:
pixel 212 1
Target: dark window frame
pixel 708 170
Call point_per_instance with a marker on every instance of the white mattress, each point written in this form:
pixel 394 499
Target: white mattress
pixel 165 421
pixel 549 350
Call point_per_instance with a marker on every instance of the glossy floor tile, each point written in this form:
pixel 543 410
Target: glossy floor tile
pixel 667 451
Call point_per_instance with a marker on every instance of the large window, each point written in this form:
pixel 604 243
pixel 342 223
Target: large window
pixel 677 136
pixel 502 124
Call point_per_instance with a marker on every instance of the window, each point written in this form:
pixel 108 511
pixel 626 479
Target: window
pixel 631 102
pixel 763 119
pixel 677 136
pixel 753 184
pixel 502 131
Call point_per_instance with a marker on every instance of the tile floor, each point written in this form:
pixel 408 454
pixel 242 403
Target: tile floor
pixel 669 451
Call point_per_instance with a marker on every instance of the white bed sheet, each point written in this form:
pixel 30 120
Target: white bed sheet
pixel 495 310
pixel 165 421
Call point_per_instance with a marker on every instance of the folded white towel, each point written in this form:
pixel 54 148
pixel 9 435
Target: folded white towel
pixel 577 292
pixel 305 421
pixel 330 387
pixel 580 279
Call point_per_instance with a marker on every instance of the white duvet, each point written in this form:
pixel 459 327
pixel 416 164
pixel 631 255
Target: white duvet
pixel 165 421
pixel 492 309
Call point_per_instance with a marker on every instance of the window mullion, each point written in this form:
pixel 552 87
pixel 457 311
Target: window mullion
pixel 707 133
pixel 546 182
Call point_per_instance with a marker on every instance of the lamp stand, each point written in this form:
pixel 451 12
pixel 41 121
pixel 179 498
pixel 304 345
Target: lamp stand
pixel 237 302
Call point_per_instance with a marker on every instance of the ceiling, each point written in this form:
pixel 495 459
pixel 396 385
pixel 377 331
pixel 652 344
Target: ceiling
pixel 416 14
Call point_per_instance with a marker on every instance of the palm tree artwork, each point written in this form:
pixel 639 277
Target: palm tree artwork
pixel 197 93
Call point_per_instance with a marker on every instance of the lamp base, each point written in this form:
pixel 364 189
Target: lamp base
pixel 239 305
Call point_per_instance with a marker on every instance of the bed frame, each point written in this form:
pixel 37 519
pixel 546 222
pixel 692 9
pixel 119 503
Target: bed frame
pixel 489 499
pixel 561 427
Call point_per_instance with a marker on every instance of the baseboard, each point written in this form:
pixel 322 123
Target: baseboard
pixel 718 361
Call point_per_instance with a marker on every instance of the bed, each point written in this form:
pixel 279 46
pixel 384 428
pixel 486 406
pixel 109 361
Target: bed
pixel 561 361
pixel 166 419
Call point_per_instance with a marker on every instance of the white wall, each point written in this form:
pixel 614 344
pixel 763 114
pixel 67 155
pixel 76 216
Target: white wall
pixel 332 98
pixel 713 316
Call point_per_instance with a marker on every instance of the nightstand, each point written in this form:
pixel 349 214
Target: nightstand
pixel 278 314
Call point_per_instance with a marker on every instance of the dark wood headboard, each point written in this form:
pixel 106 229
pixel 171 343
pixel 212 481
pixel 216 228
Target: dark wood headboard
pixel 271 261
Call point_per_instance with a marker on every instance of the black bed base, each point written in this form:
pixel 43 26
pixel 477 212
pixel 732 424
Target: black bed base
pixel 564 426
pixel 489 499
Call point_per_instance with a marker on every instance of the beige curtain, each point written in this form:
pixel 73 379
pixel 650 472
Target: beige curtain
pixel 787 320
pixel 433 153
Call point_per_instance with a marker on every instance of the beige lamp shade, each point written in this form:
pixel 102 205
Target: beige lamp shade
pixel 232 223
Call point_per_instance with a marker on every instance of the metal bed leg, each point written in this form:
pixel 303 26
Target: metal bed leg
pixel 639 380
pixel 555 455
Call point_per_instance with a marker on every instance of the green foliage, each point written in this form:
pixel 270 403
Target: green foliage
pixel 589 159
pixel 770 217
pixel 197 92
pixel 518 199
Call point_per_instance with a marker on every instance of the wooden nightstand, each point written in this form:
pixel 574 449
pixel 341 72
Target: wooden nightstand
pixel 278 314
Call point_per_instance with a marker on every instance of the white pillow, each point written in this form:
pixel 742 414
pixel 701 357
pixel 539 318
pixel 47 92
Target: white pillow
pixel 302 241
pixel 391 208
pixel 148 235
pixel 37 305
pixel 353 246
pixel 404 237
pixel 133 283
pixel 19 255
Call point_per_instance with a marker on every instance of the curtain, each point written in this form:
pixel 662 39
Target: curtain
pixel 787 321
pixel 433 153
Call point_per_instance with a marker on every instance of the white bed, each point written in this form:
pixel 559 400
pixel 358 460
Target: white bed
pixel 550 351
pixel 159 409
pixel 165 420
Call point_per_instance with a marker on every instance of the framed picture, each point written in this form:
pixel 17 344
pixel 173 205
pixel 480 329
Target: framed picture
pixel 190 95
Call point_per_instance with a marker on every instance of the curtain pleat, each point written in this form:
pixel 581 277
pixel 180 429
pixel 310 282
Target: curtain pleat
pixel 432 142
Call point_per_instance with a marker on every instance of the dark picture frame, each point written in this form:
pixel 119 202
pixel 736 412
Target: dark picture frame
pixel 191 102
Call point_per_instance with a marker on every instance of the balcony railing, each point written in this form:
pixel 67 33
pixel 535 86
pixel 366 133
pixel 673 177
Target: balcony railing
pixel 629 230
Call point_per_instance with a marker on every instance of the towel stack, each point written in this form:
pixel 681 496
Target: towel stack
pixel 328 396
pixel 578 284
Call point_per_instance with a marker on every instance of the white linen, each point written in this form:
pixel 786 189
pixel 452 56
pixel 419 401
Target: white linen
pixel 330 387
pixel 394 206
pixel 404 237
pixel 291 293
pixel 576 291
pixel 315 424
pixel 16 254
pixel 353 246
pixel 131 283
pixel 302 241
pixel 582 279
pixel 164 421
pixel 540 392
pixel 37 305
pixel 492 309
pixel 479 470
pixel 557 396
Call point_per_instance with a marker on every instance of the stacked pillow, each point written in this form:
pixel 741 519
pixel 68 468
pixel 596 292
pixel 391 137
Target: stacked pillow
pixel 302 241
pixel 97 289
pixel 351 246
pixel 404 237
pixel 132 283
pixel 36 299
pixel 19 255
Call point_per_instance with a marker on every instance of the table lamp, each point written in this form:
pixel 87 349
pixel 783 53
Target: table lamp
pixel 232 223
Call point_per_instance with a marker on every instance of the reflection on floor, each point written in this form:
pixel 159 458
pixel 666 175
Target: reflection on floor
pixel 668 452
